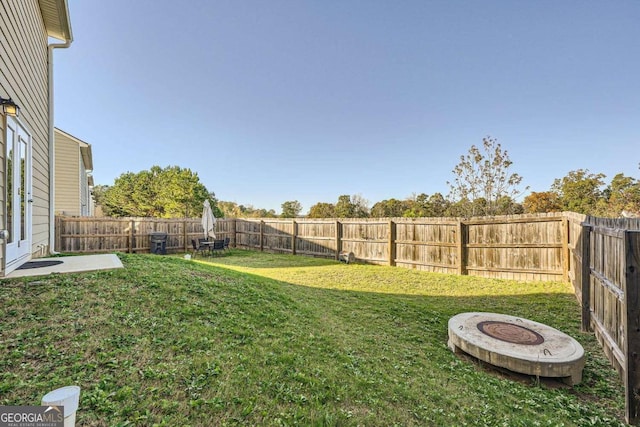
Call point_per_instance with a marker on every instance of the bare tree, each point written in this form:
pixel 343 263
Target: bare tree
pixel 482 178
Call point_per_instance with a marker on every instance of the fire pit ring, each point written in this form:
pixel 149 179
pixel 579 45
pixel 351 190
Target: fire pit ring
pixel 517 344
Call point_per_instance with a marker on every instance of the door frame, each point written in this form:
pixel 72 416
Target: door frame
pixel 18 251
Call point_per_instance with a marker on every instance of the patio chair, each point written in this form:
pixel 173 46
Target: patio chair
pixel 198 247
pixel 227 240
pixel 218 245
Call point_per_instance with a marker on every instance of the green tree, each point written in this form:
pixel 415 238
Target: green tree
pixel 580 191
pixel 417 206
pixel 622 195
pixel 322 210
pixel 344 209
pixel 352 207
pixel 291 209
pixel 230 209
pixel 234 210
pixel 437 205
pixel 483 173
pixel 505 205
pixel 389 208
pixel 423 205
pixel 170 192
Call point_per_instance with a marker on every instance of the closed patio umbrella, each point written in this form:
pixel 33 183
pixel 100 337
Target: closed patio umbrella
pixel 208 221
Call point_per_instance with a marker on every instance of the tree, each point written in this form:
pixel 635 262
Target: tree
pixel 352 207
pixel 170 192
pixel 505 205
pixel 437 205
pixel 389 208
pixel 234 210
pixel 579 191
pixel 423 205
pixel 291 209
pixel 622 195
pixel 360 206
pixel 344 209
pixel 483 173
pixel 322 210
pixel 230 209
pixel 542 202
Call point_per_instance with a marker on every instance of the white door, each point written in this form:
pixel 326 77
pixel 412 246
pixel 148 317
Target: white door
pixel 18 167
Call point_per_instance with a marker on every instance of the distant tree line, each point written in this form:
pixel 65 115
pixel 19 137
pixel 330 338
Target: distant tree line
pixel 587 193
pixel 483 184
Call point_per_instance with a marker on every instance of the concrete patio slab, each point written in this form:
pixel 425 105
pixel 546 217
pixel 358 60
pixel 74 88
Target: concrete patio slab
pixel 70 264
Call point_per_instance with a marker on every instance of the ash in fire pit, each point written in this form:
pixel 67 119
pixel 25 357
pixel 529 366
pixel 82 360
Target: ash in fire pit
pixel 517 344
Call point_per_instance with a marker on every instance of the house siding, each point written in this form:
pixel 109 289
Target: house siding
pixel 68 176
pixel 23 77
pixel 3 192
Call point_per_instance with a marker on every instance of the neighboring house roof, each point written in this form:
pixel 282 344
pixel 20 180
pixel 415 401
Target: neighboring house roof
pixel 55 14
pixel 85 150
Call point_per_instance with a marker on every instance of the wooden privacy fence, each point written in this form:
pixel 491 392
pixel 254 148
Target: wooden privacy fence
pixel 522 247
pixel 102 235
pixel 605 273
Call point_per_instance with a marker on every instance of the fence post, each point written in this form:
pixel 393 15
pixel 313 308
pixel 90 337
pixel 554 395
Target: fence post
pixel 132 224
pixel 235 233
pixel 184 235
pixel 261 235
pixel 338 239
pixel 294 236
pixel 565 249
pixel 585 286
pixel 392 243
pixel 58 231
pixel 461 248
pixel 632 325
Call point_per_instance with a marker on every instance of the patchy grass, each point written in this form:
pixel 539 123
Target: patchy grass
pixel 259 339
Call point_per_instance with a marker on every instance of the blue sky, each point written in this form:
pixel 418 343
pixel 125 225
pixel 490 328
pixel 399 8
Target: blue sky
pixel 270 101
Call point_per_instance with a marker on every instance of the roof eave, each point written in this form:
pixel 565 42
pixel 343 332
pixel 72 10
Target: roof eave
pixel 87 157
pixel 55 14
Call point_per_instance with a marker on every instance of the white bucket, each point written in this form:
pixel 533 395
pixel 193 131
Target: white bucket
pixel 69 397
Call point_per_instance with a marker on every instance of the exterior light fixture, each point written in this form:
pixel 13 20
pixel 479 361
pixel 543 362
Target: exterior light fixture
pixel 9 107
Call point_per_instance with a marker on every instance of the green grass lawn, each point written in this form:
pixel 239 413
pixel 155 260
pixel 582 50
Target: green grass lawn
pixel 258 339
